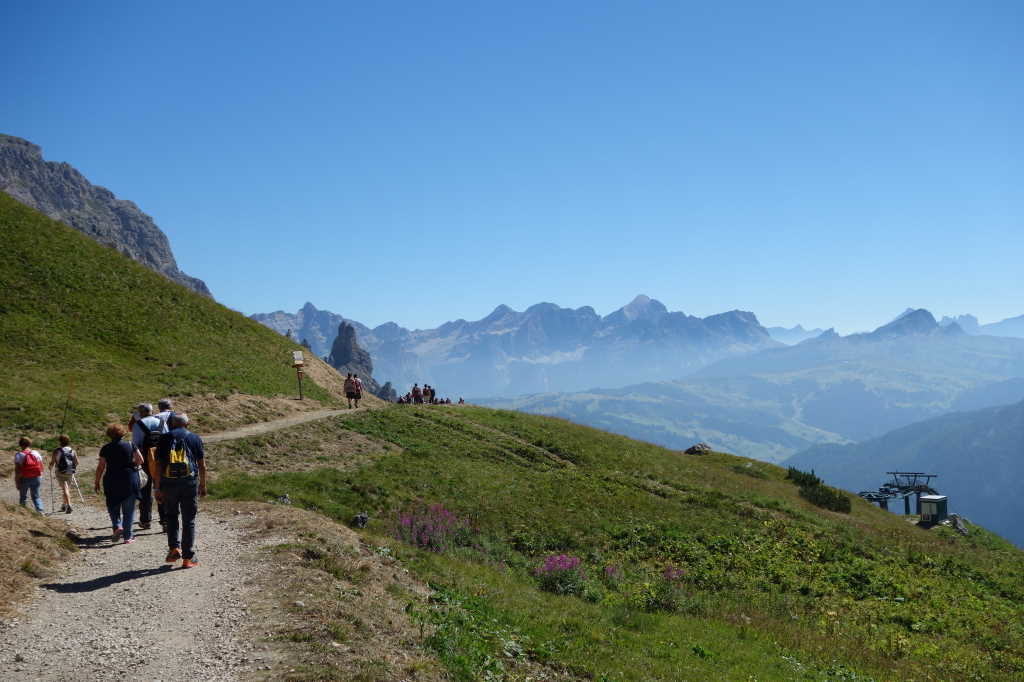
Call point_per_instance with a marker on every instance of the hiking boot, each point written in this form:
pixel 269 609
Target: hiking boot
pixel 144 525
pixel 129 541
pixel 173 555
pixel 67 509
pixel 118 532
pixel 63 508
pixel 189 563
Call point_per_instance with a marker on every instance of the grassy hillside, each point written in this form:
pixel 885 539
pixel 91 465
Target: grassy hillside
pixel 74 314
pixel 689 567
pixel 977 456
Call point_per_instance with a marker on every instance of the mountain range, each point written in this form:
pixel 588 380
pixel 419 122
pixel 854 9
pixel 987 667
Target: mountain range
pixel 543 348
pixel 1012 326
pixel 61 192
pixel 832 389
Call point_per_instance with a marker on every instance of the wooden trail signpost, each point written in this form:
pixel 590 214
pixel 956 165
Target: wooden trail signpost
pixel 298 363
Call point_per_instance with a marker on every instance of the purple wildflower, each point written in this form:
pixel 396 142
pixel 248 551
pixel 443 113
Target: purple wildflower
pixel 432 527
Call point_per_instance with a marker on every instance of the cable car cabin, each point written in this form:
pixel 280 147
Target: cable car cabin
pixel 934 508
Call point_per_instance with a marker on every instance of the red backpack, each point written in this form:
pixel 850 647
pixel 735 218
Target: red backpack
pixel 31 466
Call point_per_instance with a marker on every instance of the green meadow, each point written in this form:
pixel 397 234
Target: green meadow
pixel 690 567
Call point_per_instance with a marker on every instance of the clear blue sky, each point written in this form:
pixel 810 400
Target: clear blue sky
pixel 828 163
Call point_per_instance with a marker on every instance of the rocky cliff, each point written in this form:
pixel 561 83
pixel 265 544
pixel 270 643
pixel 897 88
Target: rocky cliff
pixel 546 347
pixel 347 356
pixel 61 192
pixel 319 327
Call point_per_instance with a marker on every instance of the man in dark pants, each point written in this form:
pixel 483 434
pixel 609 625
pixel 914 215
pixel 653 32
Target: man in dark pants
pixel 179 482
pixel 146 433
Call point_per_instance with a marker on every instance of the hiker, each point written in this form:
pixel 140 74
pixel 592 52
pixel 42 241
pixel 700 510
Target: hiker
pixel 145 435
pixel 164 405
pixel 350 390
pixel 119 468
pixel 28 473
pixel 65 460
pixel 179 482
pixel 417 394
pixel 461 401
pixel 359 387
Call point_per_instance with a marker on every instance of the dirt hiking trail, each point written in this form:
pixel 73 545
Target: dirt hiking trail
pixel 276 424
pixel 119 612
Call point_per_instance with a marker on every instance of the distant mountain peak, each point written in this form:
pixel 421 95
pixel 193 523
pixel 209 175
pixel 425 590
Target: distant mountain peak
pixel 795 334
pixel 542 307
pixel 969 323
pixel 912 322
pixel 901 315
pixel 827 335
pixel 642 307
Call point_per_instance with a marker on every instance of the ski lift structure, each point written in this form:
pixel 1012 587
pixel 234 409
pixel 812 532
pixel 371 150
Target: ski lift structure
pixel 904 485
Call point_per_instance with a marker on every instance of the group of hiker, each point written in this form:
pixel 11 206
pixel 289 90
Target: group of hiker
pixel 353 389
pixel 424 396
pixel 156 456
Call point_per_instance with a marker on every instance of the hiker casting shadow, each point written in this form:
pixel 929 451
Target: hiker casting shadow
pixel 28 474
pixel 63 464
pixel 179 482
pixel 119 467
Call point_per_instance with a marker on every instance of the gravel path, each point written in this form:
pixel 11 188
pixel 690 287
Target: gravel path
pixel 118 612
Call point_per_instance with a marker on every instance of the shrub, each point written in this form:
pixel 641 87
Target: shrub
pixel 665 593
pixel 561 574
pixel 432 528
pixel 826 497
pixel 802 478
pixel 814 490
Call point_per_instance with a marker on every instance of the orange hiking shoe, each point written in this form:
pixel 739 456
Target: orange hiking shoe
pixel 173 555
pixel 189 563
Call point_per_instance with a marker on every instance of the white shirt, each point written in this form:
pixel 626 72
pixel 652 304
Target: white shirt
pixel 163 417
pixel 138 435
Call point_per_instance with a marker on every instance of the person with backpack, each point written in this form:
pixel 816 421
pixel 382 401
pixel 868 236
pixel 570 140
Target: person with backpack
pixel 350 390
pixel 146 433
pixel 118 466
pixel 358 383
pixel 28 474
pixel 179 481
pixel 63 465
pixel 164 415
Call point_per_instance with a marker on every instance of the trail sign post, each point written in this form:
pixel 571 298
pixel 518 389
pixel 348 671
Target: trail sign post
pixel 298 363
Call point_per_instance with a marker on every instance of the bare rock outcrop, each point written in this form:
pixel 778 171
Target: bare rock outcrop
pixel 62 193
pixel 348 356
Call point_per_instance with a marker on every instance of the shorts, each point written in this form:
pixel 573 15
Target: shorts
pixel 64 477
pixel 351 395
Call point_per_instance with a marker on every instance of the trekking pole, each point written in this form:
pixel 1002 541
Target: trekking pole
pixel 51 491
pixel 75 480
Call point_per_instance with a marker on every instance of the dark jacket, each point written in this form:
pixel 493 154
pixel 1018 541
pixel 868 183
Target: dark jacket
pixel 120 478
